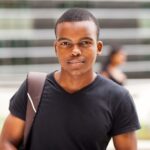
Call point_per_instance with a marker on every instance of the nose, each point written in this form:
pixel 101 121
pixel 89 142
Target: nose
pixel 76 51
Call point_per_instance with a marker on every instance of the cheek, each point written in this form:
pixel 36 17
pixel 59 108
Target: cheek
pixel 62 57
pixel 91 54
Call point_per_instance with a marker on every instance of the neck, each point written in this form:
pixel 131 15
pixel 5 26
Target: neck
pixel 73 83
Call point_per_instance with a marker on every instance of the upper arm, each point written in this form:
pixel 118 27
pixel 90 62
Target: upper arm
pixel 12 131
pixel 126 141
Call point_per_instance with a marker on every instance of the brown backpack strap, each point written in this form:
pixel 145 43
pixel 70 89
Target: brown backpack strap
pixel 35 82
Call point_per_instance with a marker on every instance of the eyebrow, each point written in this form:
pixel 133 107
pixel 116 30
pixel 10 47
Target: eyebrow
pixel 63 38
pixel 83 38
pixel 86 38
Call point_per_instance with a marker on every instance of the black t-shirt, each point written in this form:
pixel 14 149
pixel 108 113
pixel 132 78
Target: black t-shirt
pixel 84 120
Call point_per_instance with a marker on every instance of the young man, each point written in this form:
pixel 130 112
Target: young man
pixel 79 109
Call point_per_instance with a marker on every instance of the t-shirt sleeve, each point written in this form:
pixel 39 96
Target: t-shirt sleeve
pixel 18 102
pixel 125 116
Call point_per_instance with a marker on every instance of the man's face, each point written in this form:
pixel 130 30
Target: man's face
pixel 76 46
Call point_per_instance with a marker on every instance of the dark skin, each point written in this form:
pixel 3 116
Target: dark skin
pixel 10 135
pixel 76 63
pixel 76 73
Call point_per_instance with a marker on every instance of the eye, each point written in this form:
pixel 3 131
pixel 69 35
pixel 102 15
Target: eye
pixel 65 44
pixel 85 43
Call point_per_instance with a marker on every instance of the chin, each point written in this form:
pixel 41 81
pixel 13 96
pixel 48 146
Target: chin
pixel 75 73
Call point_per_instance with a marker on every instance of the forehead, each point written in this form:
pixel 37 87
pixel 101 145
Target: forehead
pixel 76 29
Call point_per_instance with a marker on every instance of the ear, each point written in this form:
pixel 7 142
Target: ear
pixel 99 47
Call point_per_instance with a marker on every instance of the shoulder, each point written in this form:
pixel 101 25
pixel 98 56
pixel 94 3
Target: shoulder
pixel 110 86
pixel 111 92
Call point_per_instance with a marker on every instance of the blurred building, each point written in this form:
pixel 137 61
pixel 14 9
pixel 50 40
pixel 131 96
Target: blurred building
pixel 27 36
pixel 27 33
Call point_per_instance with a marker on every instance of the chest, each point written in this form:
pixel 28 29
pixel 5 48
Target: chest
pixel 81 118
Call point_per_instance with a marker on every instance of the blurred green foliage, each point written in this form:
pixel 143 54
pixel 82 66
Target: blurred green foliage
pixel 144 132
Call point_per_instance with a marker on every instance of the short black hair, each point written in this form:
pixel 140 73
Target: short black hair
pixel 78 14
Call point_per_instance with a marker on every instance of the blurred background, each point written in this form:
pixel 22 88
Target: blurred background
pixel 26 44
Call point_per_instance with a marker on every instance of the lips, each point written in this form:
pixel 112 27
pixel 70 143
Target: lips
pixel 74 61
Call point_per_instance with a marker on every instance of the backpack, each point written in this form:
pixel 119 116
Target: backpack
pixel 35 82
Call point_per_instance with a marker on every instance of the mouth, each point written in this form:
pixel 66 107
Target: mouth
pixel 74 61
